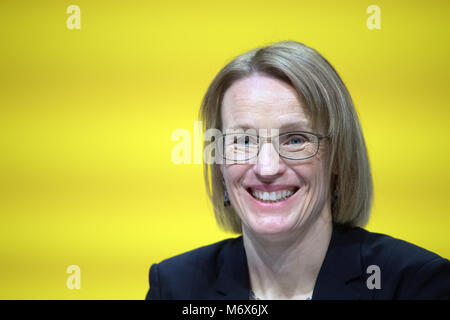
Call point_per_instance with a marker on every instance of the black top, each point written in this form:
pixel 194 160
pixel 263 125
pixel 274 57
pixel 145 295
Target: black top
pixel 220 271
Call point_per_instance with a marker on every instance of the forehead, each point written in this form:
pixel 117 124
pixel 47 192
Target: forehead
pixel 261 101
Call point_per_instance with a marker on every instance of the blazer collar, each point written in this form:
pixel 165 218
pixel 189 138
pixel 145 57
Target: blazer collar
pixel 233 280
pixel 341 265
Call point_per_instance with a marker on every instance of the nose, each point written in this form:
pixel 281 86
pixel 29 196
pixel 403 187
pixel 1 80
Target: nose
pixel 268 164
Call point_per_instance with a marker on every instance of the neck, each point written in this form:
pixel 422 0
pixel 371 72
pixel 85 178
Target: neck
pixel 286 266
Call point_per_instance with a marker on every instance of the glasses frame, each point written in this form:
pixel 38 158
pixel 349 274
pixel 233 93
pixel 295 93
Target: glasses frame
pixel 265 139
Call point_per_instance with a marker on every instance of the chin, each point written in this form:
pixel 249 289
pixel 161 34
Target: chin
pixel 270 225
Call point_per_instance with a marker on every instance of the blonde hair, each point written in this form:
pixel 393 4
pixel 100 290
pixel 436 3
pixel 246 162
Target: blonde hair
pixel 330 109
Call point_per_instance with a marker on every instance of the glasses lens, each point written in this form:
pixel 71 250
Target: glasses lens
pixel 239 146
pixel 298 145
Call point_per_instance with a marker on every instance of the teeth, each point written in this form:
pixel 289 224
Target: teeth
pixel 272 196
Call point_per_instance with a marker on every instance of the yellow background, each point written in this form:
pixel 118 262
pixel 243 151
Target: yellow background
pixel 86 118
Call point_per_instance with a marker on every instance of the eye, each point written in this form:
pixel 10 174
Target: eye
pixel 245 140
pixel 296 139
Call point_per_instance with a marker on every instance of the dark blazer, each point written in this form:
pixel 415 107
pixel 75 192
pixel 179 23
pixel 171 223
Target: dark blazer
pixel 220 271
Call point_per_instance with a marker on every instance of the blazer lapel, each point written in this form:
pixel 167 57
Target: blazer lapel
pixel 340 275
pixel 233 278
pixel 336 279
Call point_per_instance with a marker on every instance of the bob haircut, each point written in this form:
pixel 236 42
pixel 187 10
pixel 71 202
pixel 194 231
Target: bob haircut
pixel 330 109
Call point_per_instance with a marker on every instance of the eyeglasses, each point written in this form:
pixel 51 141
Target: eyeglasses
pixel 295 145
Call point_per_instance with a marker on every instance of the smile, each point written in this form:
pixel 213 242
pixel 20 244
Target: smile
pixel 272 197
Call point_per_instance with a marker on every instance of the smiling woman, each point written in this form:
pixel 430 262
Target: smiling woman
pixel 296 184
pixel 305 179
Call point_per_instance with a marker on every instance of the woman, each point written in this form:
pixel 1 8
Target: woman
pixel 292 175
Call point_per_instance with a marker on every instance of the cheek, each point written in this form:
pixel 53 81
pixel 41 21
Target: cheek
pixel 233 174
pixel 319 188
pixel 317 193
pixel 314 176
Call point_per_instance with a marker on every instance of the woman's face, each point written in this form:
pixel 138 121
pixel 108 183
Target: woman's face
pixel 262 102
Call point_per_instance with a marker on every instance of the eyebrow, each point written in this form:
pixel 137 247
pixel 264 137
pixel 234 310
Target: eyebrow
pixel 301 126
pixel 291 126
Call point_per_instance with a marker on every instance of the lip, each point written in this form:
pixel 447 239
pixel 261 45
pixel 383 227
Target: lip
pixel 271 188
pixel 270 206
